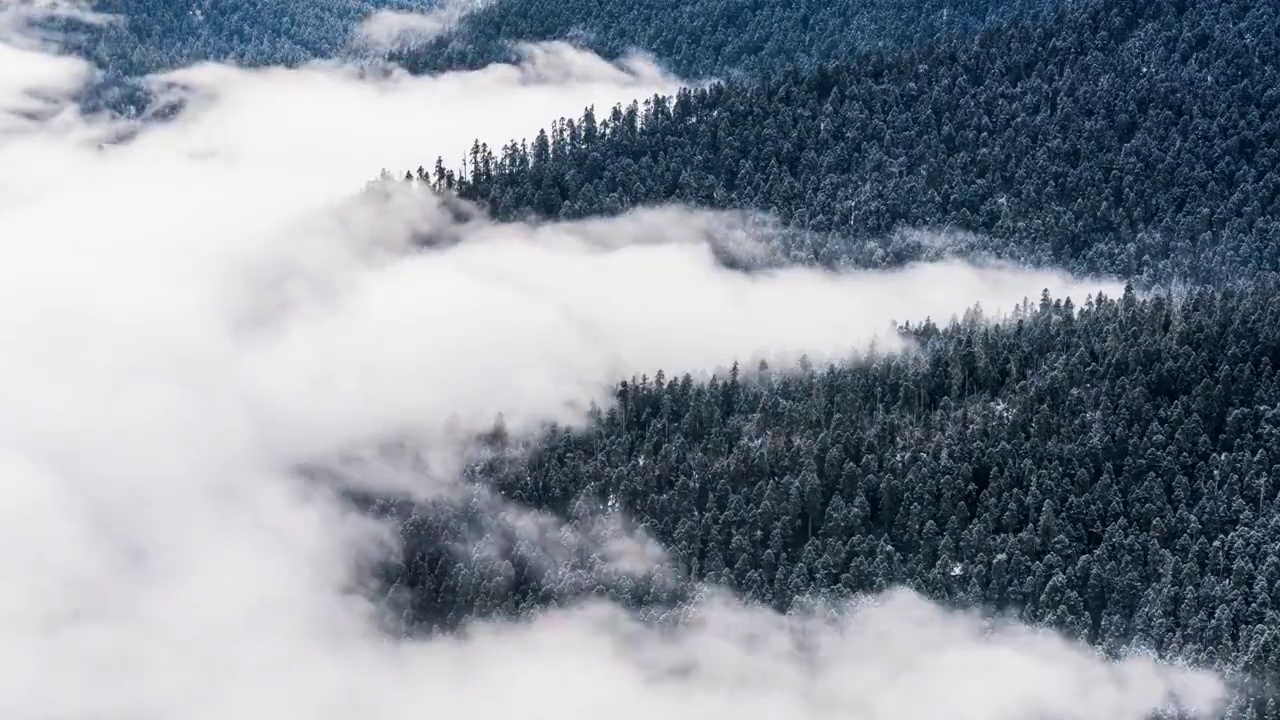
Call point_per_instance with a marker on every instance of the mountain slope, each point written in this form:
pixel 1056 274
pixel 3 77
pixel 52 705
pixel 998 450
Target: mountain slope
pixel 1125 137
pixel 1109 473
pixel 712 37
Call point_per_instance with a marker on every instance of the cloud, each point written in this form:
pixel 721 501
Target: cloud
pixel 22 21
pixel 35 85
pixel 189 315
pixel 31 84
pixel 394 29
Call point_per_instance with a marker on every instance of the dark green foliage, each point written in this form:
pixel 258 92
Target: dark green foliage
pixel 711 38
pixel 1107 472
pixel 1133 137
pixel 156 35
pixel 147 36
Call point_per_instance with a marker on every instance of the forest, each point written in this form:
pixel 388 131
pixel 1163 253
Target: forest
pixel 1104 470
pixel 1097 465
pixel 139 37
pixel 712 39
pixel 1131 138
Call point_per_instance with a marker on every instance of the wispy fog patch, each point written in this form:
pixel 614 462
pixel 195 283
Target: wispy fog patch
pixel 894 656
pixel 392 29
pixel 189 316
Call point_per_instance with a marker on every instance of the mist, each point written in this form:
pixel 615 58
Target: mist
pixel 392 29
pixel 190 314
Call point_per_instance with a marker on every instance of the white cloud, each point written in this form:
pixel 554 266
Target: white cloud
pixel 187 316
pixel 391 29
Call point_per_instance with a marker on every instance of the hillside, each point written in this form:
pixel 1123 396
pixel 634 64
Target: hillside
pixel 1107 472
pixel 1097 465
pixel 710 38
pixel 1134 138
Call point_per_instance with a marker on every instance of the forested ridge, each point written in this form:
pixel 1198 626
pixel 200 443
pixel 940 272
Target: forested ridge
pixel 711 38
pixel 1106 470
pixel 1128 137
pixel 1102 466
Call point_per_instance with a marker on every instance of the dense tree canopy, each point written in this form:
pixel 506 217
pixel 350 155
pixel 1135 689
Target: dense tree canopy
pixel 146 36
pixel 1105 469
pixel 1102 466
pixel 711 37
pixel 1130 137
pixel 153 35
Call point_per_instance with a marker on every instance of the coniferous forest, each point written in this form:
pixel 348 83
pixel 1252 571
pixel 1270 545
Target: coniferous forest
pixel 1102 466
pixel 1108 467
pixel 1126 137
